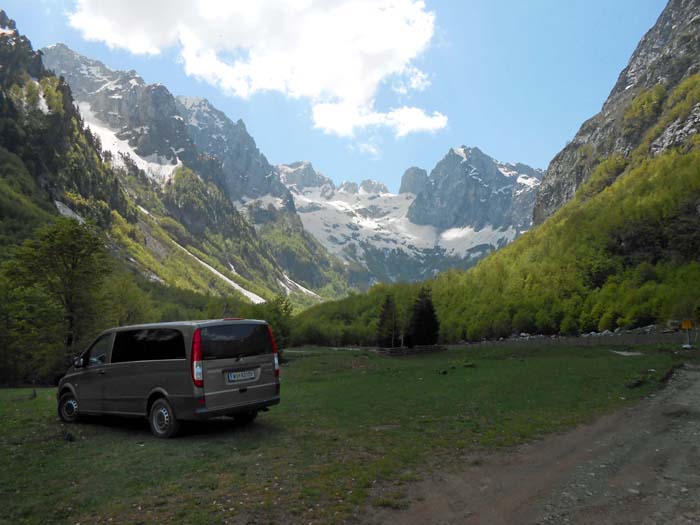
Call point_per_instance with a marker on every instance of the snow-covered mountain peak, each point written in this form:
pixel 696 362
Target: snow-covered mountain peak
pixel 302 175
pixel 460 152
pixel 131 118
pixel 348 187
pixel 373 187
pixel 467 153
pixel 474 204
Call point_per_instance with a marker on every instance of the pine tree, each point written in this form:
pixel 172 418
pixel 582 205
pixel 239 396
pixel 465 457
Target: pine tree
pixel 387 333
pixel 424 326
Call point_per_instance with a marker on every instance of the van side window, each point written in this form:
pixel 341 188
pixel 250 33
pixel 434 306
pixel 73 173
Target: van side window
pixel 97 354
pixel 148 345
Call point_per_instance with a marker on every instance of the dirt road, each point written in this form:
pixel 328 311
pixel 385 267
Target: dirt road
pixel 639 465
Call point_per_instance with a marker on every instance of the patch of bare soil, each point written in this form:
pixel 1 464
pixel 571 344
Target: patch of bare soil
pixel 639 465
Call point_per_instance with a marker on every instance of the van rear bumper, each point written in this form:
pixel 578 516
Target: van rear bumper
pixel 190 409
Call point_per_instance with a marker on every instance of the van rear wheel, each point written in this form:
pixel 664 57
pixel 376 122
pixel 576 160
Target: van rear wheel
pixel 162 419
pixel 68 408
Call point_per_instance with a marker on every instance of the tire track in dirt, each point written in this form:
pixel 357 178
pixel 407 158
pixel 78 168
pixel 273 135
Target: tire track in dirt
pixel 638 465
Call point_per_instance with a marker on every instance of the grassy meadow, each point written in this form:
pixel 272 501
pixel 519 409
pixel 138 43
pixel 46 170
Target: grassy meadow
pixel 353 429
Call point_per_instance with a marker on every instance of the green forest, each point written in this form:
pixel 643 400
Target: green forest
pixel 62 286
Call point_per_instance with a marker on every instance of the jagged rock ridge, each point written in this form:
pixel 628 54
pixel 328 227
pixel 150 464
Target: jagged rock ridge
pixel 467 188
pixel 160 132
pixel 433 224
pixel 668 53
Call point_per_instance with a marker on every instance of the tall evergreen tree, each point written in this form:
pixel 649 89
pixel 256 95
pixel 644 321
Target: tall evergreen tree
pixel 387 332
pixel 424 326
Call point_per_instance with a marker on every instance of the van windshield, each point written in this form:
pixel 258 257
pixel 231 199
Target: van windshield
pixel 235 340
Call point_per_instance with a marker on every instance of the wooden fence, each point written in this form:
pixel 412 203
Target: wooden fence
pixel 671 339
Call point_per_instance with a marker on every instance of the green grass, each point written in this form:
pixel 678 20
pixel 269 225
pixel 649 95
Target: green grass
pixel 349 422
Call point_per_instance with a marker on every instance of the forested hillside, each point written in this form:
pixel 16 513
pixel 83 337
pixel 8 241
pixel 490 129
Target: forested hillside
pixel 127 250
pixel 182 231
pixel 143 127
pixel 624 252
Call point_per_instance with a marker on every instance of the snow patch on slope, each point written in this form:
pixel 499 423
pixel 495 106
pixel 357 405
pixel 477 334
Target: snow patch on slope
pixel 345 222
pixel 155 167
pixel 454 239
pixel 67 212
pixel 461 153
pixel 256 299
pixel 290 286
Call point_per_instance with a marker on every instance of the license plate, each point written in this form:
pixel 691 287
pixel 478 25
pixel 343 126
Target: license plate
pixel 241 376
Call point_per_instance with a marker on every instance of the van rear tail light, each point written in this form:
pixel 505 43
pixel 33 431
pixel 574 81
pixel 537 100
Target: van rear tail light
pixel 274 351
pixel 196 358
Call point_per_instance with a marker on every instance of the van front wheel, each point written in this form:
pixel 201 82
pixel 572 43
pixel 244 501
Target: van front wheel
pixel 162 419
pixel 68 408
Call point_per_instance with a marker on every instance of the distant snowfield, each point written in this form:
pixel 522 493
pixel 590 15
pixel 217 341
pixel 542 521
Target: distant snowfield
pixel 154 167
pixel 339 220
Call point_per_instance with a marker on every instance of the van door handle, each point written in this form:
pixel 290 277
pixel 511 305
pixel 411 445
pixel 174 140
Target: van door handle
pixel 101 371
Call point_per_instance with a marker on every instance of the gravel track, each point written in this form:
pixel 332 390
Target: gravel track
pixel 639 465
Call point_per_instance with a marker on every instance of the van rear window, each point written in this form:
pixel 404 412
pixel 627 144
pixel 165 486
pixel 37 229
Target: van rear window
pixel 148 345
pixel 235 340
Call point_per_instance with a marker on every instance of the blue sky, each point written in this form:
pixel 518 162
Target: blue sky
pixel 514 78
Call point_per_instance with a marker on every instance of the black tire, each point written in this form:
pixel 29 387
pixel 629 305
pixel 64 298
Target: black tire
pixel 68 408
pixel 162 419
pixel 245 418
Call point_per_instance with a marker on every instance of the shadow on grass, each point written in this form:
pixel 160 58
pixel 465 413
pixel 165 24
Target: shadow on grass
pixel 216 427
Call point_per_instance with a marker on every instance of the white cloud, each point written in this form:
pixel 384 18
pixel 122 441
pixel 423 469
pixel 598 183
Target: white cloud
pixel 369 149
pixel 342 119
pixel 334 53
pixel 413 79
pixel 407 119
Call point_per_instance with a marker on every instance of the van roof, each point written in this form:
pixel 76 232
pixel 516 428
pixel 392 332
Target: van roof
pixel 174 324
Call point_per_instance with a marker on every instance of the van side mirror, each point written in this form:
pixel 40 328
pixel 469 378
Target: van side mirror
pixel 78 362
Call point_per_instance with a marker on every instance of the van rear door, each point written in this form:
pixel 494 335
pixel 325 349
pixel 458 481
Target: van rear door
pixel 238 363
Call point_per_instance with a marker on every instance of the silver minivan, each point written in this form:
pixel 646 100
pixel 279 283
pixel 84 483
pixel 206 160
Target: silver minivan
pixel 170 372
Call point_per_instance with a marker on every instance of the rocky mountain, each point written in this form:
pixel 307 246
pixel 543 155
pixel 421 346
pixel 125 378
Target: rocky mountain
pixel 130 116
pixel 302 175
pixel 167 216
pixel 414 180
pixel 668 54
pixel 160 131
pixel 247 171
pixel 469 206
pixel 467 188
pixel 145 125
pixel 45 153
